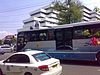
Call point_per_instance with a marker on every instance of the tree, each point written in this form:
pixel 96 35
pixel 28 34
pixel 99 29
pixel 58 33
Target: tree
pixel 14 39
pixel 69 12
pixel 96 9
pixel 10 41
pixel 0 42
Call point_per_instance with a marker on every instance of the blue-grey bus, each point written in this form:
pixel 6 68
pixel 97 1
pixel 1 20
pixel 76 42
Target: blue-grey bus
pixel 70 41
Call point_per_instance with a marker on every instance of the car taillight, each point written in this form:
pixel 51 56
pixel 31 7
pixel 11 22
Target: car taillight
pixel 44 68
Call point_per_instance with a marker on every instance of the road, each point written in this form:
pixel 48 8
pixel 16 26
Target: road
pixel 74 67
pixel 81 68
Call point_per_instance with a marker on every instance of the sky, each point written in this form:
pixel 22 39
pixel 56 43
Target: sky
pixel 91 3
pixel 13 12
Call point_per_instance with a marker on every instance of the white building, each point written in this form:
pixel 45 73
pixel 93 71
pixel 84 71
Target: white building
pixel 89 15
pixel 48 17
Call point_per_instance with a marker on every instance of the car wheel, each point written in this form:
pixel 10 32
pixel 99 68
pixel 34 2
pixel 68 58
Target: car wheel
pixel 1 72
pixel 28 73
pixel 98 57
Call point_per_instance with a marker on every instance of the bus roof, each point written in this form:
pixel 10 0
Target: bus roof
pixel 78 24
pixel 66 25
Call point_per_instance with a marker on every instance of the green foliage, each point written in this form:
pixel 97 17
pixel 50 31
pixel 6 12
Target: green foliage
pixel 96 9
pixel 1 42
pixel 14 40
pixel 75 11
pixel 68 14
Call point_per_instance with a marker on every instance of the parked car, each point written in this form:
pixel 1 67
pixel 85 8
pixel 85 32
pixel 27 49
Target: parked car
pixel 1 51
pixel 6 48
pixel 30 63
pixel 14 48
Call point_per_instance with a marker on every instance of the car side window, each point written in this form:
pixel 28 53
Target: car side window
pixel 18 58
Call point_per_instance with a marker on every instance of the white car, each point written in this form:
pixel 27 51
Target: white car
pixel 30 63
pixel 6 48
pixel 1 51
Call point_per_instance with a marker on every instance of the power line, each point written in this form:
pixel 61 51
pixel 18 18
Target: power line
pixel 12 14
pixel 21 8
pixel 16 9
pixel 11 27
pixel 11 22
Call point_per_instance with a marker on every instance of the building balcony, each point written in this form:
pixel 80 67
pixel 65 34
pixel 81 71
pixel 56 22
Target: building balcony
pixel 31 19
pixel 52 11
pixel 87 11
pixel 85 18
pixel 28 25
pixel 51 15
pixel 85 14
pixel 48 24
pixel 40 15
pixel 38 11
pixel 50 20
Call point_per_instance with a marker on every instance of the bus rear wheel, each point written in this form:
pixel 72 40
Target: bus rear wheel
pixel 27 73
pixel 98 57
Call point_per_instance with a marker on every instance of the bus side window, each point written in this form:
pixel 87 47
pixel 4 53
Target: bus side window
pixel 96 32
pixel 43 36
pixel 33 36
pixel 82 33
pixel 86 33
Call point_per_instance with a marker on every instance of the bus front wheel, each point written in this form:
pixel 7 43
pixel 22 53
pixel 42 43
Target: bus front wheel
pixel 98 57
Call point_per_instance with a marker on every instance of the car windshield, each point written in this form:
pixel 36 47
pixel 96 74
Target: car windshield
pixel 41 56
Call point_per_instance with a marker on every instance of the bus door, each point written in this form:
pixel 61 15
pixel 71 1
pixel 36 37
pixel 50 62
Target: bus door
pixel 63 39
pixel 20 43
pixel 22 39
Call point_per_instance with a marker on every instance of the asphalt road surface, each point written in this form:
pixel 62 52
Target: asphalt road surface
pixel 74 67
pixel 80 68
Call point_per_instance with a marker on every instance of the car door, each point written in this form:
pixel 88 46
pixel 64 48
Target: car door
pixel 14 64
